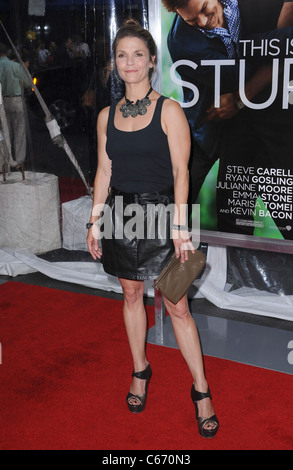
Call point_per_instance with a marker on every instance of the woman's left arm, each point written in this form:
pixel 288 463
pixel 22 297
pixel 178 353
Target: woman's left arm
pixel 178 132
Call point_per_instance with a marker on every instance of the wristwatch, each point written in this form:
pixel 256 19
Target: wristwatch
pixel 89 225
pixel 239 103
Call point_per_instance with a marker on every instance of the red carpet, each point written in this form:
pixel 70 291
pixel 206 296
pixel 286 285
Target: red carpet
pixel 66 370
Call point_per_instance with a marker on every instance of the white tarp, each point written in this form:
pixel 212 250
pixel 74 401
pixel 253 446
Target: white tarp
pixel 30 212
pixel 211 286
pixel 75 215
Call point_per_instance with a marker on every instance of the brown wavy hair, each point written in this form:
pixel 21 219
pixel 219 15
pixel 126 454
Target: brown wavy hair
pixel 172 5
pixel 131 28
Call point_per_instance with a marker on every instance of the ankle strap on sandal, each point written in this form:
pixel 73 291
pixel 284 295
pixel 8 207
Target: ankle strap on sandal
pixel 144 374
pixel 197 396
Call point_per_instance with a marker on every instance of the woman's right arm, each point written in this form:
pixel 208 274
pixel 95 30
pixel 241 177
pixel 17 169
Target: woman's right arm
pixel 101 184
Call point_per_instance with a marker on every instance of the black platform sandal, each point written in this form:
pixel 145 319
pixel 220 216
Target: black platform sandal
pixel 143 375
pixel 208 433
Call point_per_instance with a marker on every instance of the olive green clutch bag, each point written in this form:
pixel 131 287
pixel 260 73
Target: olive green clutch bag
pixel 176 277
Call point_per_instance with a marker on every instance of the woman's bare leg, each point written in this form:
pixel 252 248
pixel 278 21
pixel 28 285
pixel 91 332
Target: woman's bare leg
pixel 189 344
pixel 135 321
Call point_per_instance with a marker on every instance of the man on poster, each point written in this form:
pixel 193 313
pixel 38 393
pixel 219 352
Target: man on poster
pixel 243 138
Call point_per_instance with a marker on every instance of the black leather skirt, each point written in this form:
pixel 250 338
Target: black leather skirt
pixel 136 233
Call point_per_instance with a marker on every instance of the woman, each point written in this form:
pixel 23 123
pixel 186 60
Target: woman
pixel 143 153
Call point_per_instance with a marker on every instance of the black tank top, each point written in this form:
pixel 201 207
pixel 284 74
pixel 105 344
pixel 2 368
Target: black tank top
pixel 141 159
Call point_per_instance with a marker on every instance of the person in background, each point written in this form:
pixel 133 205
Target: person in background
pixel 80 48
pixel 52 53
pixel 43 55
pixel 13 80
pixel 64 53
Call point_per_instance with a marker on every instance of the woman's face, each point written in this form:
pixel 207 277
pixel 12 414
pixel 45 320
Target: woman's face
pixel 133 60
pixel 205 14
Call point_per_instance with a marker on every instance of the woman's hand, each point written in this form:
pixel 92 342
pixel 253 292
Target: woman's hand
pixel 93 242
pixel 182 243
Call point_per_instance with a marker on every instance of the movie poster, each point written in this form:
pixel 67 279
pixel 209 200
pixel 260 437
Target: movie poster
pixel 235 86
